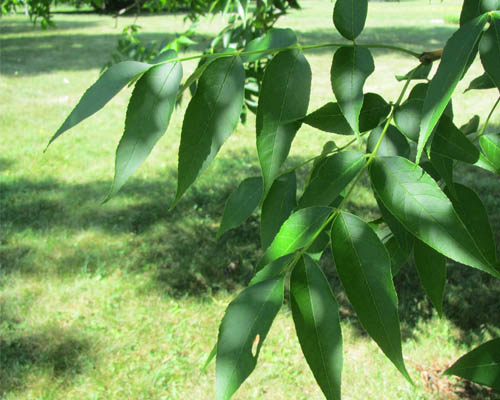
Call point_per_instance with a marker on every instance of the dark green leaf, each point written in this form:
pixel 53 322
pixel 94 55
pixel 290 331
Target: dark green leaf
pixel 349 17
pixel 451 142
pixel 211 116
pixel 472 212
pixel 315 251
pixel 364 269
pixel 489 49
pixel 418 203
pixel 275 38
pixel 481 365
pixel 431 267
pixel 316 316
pixel 248 318
pixel 283 102
pixel 393 143
pixel 277 207
pixel 481 82
pixel 350 68
pixel 241 204
pixel 470 10
pixel 398 254
pixel 148 116
pixel 490 144
pixel 330 177
pixel 444 167
pixel 421 71
pixel 103 90
pixel 329 118
pixel 471 126
pixel 456 54
pixel 404 238
pixel 297 231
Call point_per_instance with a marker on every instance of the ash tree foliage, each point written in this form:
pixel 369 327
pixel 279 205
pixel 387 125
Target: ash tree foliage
pixel 412 147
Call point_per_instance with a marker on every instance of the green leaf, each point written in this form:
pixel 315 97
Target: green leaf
pixel 277 207
pixel 283 101
pixel 418 203
pixel 209 359
pixel 297 231
pixel 456 54
pixel 364 269
pixel 248 318
pixel 431 268
pixel 316 316
pixel 489 49
pixel 421 71
pixel 330 177
pixel 273 270
pixel 241 204
pixel 472 212
pixel 350 68
pixel 398 254
pixel 275 38
pixel 444 167
pixel 481 365
pixel 147 119
pixel 393 143
pixel 451 142
pixel 481 82
pixel 103 90
pixel 211 116
pixel 329 118
pixel 315 251
pixel 349 17
pixel 490 144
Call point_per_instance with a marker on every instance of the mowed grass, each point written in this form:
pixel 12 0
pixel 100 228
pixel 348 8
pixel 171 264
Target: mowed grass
pixel 123 300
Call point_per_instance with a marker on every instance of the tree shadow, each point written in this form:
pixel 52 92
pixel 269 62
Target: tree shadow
pixel 60 352
pixel 9 27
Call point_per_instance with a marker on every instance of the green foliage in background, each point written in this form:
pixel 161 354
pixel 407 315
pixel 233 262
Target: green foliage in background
pixel 413 146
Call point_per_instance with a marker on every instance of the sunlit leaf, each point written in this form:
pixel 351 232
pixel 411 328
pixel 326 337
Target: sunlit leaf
pixel 103 90
pixel 489 49
pixel 148 116
pixel 481 365
pixel 316 317
pixel 349 17
pixel 210 118
pixel 248 318
pixel 350 68
pixel 277 207
pixel 330 177
pixel 241 204
pixel 275 38
pixel 393 143
pixel 490 144
pixel 364 269
pixel 283 102
pixel 329 118
pixel 297 231
pixel 431 267
pixel 454 61
pixel 418 203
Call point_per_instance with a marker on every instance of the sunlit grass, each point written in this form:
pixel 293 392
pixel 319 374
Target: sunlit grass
pixel 123 300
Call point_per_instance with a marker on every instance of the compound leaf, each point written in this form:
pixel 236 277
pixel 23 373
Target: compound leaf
pixel 316 316
pixel 364 268
pixel 418 203
pixel 283 101
pixel 481 365
pixel 350 68
pixel 248 318
pixel 454 62
pixel 103 90
pixel 210 118
pixel 241 204
pixel 147 119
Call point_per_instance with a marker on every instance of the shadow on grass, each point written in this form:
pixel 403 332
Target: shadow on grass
pixel 10 27
pixel 47 53
pixel 61 353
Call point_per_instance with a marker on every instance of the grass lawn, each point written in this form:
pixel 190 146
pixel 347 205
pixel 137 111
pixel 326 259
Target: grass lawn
pixel 123 300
